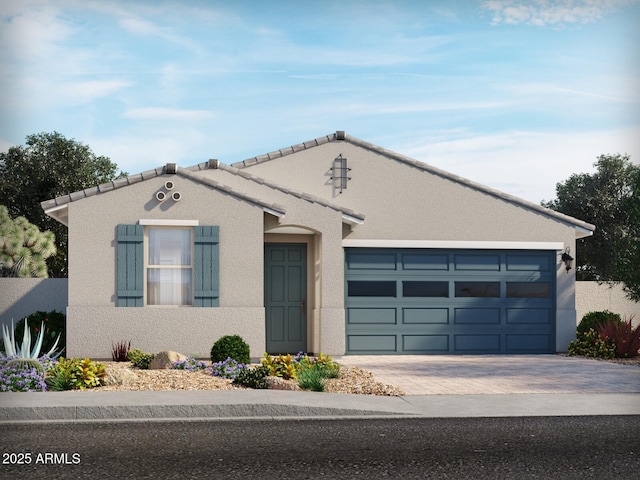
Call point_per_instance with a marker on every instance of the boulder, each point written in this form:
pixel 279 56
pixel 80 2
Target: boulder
pixel 278 383
pixel 163 360
pixel 119 376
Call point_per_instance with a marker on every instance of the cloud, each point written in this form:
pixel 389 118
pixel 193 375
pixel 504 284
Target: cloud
pixel 551 12
pixel 527 164
pixel 161 113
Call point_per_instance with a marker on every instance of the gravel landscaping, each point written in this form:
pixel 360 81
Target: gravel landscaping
pixel 121 376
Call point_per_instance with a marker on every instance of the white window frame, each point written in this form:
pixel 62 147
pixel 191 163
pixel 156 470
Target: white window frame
pixel 148 267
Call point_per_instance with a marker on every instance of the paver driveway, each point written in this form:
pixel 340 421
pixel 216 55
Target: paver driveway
pixel 495 374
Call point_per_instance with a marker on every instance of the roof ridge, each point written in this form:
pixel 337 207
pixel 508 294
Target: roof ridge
pixel 298 194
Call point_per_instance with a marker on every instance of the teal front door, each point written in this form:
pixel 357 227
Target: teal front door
pixel 285 297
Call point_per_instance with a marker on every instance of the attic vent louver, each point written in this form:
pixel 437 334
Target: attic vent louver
pixel 339 173
pixel 171 168
pixel 213 163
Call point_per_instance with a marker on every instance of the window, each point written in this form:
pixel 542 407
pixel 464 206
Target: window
pixel 169 266
pixel 176 265
pixel 425 289
pixel 365 288
pixel 477 289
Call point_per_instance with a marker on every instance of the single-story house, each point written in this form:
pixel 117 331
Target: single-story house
pixel 333 245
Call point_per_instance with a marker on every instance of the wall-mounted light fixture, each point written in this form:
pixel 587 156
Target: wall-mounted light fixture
pixel 176 196
pixel 339 173
pixel 169 185
pixel 161 196
pixel 567 259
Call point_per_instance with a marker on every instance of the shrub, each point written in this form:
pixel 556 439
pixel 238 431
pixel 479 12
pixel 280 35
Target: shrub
pixel 252 377
pixel 311 377
pixel 590 344
pixel 592 319
pixel 228 368
pixel 189 365
pixel 625 338
pixel 285 366
pixel 74 374
pixel 54 327
pixel 120 351
pixel 140 359
pixel 18 377
pixel 230 346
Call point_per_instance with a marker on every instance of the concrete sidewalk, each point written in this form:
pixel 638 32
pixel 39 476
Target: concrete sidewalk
pixel 250 404
pixel 436 386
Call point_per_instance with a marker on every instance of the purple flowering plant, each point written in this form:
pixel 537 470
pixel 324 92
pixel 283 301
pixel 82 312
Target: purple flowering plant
pixel 189 365
pixel 228 368
pixel 17 378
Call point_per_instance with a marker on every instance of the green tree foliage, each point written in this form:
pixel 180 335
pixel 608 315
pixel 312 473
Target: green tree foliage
pixel 609 199
pixel 23 248
pixel 49 166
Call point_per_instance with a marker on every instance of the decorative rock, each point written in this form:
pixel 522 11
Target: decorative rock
pixel 163 360
pixel 277 383
pixel 119 376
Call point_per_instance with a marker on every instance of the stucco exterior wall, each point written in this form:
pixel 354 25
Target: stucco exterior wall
pixel 592 297
pixel 20 297
pixel 401 202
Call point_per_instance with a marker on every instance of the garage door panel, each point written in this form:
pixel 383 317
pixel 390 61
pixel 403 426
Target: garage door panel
pixel 371 316
pixel 477 343
pixel 477 316
pixel 425 315
pixel 538 316
pixel 528 343
pixel 528 263
pixel 372 343
pixel 425 343
pixel 425 261
pixel 372 261
pixel 484 262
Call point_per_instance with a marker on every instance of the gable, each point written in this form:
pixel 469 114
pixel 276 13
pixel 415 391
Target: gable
pixel 399 194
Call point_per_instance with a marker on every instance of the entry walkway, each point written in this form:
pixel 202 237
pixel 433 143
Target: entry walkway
pixel 497 374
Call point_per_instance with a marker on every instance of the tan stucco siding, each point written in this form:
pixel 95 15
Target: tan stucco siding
pixel 92 233
pixel 404 202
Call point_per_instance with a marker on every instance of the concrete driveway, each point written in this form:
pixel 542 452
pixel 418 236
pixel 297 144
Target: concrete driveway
pixel 497 374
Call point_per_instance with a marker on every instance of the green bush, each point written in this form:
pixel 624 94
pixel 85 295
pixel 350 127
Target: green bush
pixel 74 374
pixel 230 346
pixel 252 377
pixel 589 344
pixel 592 319
pixel 54 325
pixel 140 359
pixel 311 377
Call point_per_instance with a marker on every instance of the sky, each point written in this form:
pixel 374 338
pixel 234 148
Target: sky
pixel 514 94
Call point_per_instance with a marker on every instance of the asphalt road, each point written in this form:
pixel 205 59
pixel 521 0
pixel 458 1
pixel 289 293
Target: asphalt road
pixel 478 448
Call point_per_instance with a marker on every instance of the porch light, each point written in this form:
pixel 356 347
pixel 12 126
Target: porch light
pixel 567 259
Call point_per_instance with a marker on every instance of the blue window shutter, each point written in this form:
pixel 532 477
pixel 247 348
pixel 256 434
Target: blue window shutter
pixel 206 265
pixel 130 265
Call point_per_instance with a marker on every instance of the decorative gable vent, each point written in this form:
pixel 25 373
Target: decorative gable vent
pixel 339 173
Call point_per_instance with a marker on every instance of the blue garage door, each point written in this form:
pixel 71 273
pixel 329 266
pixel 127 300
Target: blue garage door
pixel 401 301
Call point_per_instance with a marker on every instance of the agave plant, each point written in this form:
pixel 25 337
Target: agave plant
pixel 12 349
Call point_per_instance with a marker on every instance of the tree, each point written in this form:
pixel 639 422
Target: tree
pixel 23 248
pixel 49 166
pixel 609 199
